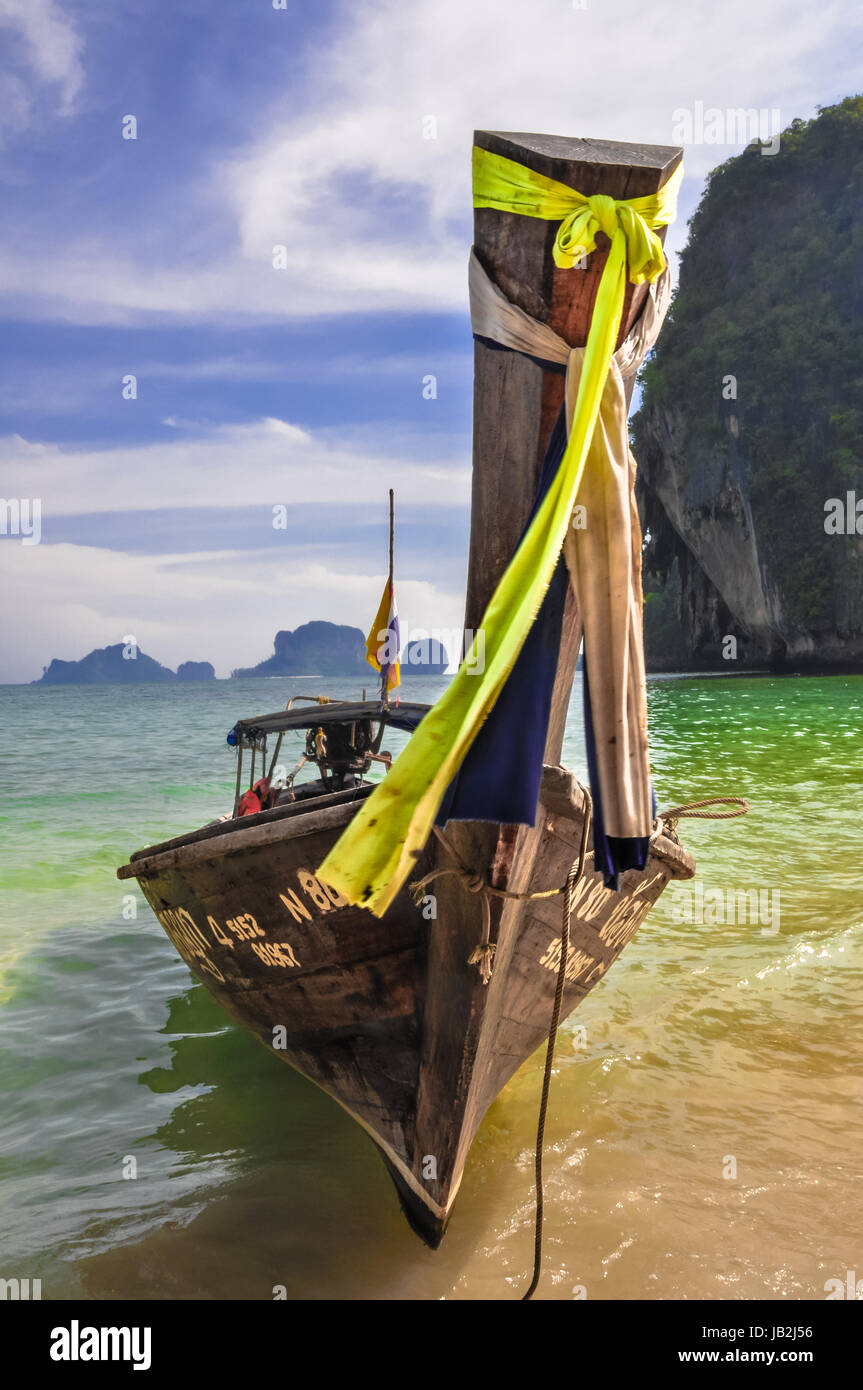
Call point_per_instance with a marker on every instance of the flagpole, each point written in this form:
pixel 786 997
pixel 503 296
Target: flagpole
pixel 385 689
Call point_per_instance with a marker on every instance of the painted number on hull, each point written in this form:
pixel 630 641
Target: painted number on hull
pixel 188 938
pixel 590 898
pixel 310 896
pixel 244 928
pixel 319 894
pixel 192 944
pixel 275 953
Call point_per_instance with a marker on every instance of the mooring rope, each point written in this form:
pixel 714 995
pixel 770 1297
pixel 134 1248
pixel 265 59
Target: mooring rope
pixel 692 809
pixel 483 954
pixel 575 874
pixel 667 819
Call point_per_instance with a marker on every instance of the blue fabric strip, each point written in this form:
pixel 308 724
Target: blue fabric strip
pixel 500 776
pixel 612 855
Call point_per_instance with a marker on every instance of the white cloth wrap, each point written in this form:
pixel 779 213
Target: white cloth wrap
pixel 493 316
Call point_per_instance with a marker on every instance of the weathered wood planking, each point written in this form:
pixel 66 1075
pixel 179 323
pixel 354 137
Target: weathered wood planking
pixel 511 1015
pixel 515 402
pixel 280 950
pixel 341 995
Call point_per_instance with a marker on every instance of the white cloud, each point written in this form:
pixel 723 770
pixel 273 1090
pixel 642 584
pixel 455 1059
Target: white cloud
pixel 47 46
pixel 266 462
pixel 221 607
pixel 367 207
pixel 63 599
pixel 609 73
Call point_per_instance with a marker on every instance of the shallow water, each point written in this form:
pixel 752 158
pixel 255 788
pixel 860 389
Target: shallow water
pixel 705 1126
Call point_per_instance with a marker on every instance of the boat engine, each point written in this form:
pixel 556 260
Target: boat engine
pixel 341 750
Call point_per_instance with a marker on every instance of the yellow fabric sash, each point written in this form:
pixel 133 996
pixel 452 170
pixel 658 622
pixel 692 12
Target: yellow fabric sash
pixel 377 851
pixel 510 187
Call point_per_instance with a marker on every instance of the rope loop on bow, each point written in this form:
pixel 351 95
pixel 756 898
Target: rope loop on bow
pixel 693 810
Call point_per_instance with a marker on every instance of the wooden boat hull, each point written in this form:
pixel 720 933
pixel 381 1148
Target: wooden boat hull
pixel 388 1016
pixel 372 1009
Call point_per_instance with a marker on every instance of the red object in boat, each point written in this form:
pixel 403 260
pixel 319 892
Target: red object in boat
pixel 255 799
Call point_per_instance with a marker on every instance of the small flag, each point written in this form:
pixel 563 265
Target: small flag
pixel 382 643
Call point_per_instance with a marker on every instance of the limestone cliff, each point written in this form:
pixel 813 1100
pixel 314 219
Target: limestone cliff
pixel 749 439
pixel 315 649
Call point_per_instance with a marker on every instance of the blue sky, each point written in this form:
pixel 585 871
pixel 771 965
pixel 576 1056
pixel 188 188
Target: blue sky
pixel 301 127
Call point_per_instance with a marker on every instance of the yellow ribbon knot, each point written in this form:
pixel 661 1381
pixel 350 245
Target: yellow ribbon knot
pixel 630 222
pixel 604 210
pixel 576 236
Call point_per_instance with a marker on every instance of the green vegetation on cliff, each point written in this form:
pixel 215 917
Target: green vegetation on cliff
pixel 756 384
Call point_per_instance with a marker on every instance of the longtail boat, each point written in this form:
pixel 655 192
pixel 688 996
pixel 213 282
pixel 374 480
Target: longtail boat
pixel 414 1010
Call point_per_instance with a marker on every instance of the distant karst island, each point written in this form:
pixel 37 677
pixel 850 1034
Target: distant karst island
pixel 328 649
pixel 313 649
pixel 117 665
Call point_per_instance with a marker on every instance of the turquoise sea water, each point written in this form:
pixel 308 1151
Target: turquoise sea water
pixel 705 1127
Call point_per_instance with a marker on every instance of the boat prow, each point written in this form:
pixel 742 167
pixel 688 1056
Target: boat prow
pixel 381 1013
